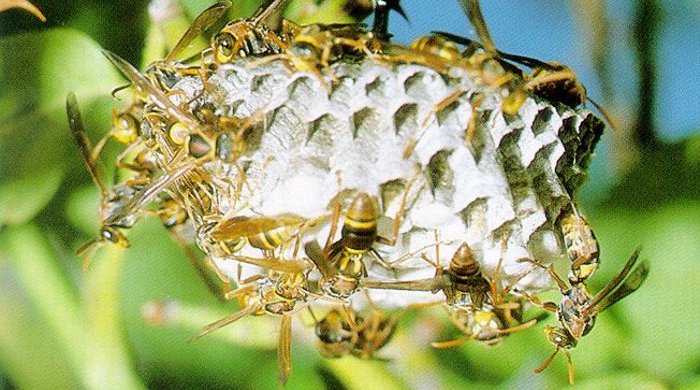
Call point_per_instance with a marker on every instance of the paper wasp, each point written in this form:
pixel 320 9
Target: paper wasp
pixel 341 265
pixel 474 302
pixel 550 80
pixel 239 38
pixel 343 332
pixel 247 37
pixel 226 237
pixel 119 205
pixel 437 46
pixel 108 232
pixel 187 134
pixel 313 47
pixel 578 309
pixel 276 295
pixel 462 282
pixel 124 202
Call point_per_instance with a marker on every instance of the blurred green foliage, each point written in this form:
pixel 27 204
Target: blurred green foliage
pixel 61 327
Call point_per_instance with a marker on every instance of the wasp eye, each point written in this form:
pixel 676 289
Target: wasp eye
pixel 108 235
pixel 223 47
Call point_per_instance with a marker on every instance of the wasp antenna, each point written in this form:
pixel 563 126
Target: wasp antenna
pixel 547 362
pixel 518 328
pixel 570 366
pixel 85 246
pixel 225 321
pixel 119 89
pixel 449 343
pixel 93 245
pixel 603 112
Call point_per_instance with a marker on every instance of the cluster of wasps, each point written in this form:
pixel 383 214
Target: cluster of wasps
pixel 169 140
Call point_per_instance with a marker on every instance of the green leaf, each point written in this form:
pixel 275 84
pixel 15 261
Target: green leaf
pixel 28 353
pixel 21 199
pixel 156 270
pixel 82 209
pixel 83 340
pixel 52 309
pixel 659 321
pixel 38 71
pixel 374 374
pixel 621 381
pixel 109 364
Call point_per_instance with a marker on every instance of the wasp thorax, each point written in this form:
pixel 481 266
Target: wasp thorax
pixel 571 312
pixel 341 286
pixel 171 214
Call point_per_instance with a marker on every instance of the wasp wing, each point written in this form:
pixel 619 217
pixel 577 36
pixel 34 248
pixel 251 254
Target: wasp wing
pixel 140 199
pixel 430 284
pixel 315 253
pixel 630 285
pixel 75 122
pixel 240 227
pixel 626 282
pixel 266 10
pixel 473 11
pixel 144 85
pixel 200 24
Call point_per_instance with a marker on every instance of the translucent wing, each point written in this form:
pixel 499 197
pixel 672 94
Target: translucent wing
pixel 473 11
pixel 315 253
pixel 75 122
pixel 431 284
pixel 626 282
pixel 144 196
pixel 200 24
pixel 524 60
pixel 265 10
pixel 240 227
pixel 144 85
pixel 290 266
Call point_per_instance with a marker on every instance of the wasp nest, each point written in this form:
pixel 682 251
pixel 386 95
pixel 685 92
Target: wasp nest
pixel 325 165
pixel 373 128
